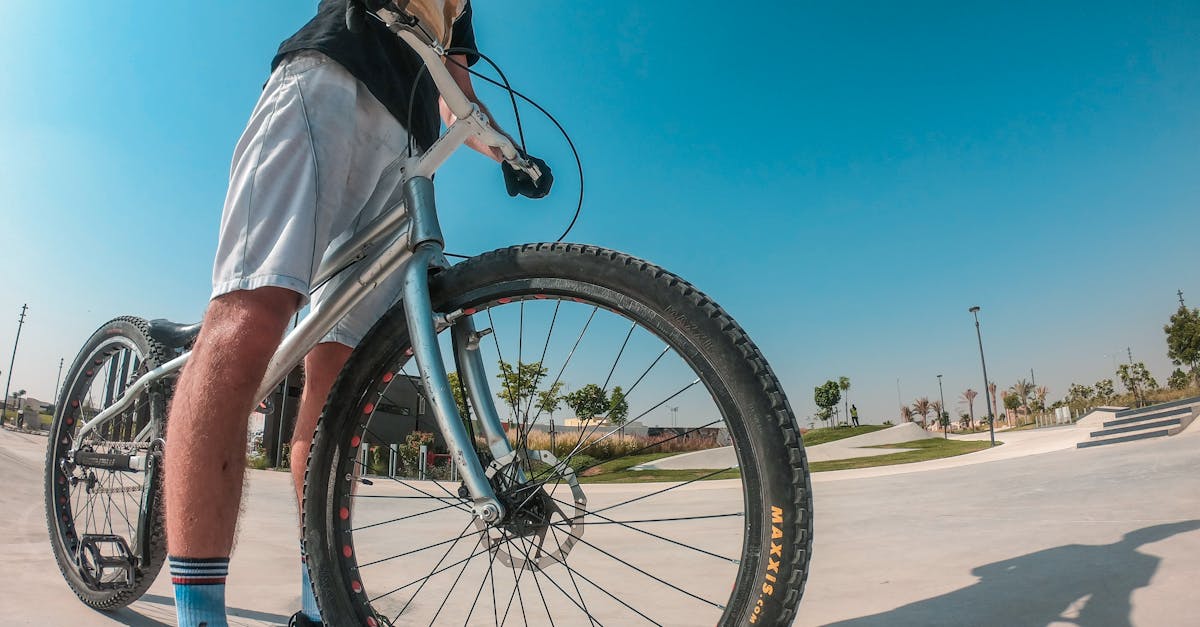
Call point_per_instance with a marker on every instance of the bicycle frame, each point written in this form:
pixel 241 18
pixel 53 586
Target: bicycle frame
pixel 406 238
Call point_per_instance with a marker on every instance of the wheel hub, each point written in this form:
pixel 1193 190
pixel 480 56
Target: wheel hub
pixel 535 531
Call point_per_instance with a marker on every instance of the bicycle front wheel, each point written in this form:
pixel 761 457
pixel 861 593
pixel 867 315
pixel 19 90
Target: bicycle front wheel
pixel 688 499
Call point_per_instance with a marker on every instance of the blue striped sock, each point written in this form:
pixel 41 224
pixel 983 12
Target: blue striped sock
pixel 308 602
pixel 199 590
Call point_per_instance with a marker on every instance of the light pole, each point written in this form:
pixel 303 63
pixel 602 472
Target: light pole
pixel 943 419
pixel 58 381
pixel 987 392
pixel 20 323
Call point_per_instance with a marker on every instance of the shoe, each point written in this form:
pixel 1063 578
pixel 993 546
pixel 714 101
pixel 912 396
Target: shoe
pixel 300 619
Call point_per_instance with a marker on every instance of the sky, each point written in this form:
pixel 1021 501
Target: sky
pixel 846 179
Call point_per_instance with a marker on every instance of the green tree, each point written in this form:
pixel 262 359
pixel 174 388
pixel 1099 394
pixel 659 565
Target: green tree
pixel 1079 397
pixel 618 409
pixel 1183 339
pixel 1105 391
pixel 826 396
pixel 551 399
pixel 588 401
pixel 517 387
pixel 1179 380
pixel 906 413
pixel 1136 378
pixel 456 389
pixel 1012 401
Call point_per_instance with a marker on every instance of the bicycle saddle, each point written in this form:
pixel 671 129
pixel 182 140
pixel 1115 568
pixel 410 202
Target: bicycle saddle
pixel 172 334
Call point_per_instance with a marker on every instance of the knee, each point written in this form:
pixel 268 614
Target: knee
pixel 251 321
pixel 322 366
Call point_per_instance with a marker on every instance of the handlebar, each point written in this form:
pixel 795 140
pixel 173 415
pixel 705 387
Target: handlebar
pixel 409 28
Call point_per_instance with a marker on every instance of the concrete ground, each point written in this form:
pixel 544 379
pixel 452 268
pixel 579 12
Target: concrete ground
pixel 1034 532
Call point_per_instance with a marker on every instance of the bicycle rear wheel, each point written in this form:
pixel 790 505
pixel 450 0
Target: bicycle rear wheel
pixel 724 536
pixel 105 518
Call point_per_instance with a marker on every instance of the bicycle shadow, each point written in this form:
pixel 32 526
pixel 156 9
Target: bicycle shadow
pixel 1077 584
pixel 162 613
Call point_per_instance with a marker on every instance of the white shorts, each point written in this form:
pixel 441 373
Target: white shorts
pixel 319 157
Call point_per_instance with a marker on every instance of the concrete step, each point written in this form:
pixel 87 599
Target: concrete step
pixel 1125 438
pixel 1140 426
pixel 1178 411
pixel 1183 402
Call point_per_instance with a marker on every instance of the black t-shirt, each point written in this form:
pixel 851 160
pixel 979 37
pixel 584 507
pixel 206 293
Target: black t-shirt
pixel 381 61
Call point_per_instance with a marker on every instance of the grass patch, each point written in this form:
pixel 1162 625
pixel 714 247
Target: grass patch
pixel 933 448
pixel 814 437
pixel 648 476
pixel 617 471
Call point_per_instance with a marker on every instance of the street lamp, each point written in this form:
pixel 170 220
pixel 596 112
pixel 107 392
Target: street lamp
pixel 944 418
pixel 987 393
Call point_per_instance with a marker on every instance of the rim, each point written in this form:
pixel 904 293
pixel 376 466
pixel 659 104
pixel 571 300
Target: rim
pixel 575 546
pixel 93 501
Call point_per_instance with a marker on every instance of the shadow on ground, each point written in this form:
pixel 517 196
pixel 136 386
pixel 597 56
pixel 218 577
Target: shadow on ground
pixel 1079 584
pixel 165 607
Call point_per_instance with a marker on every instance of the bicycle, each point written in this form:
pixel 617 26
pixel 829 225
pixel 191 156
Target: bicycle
pixel 503 530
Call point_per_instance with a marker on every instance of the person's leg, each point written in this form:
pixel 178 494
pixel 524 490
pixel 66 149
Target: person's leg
pixel 206 443
pixel 284 203
pixel 321 368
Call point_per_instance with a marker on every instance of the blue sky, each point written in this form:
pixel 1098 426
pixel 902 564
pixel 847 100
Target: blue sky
pixel 846 179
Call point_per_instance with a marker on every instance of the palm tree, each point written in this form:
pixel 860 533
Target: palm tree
pixel 1041 394
pixel 1023 389
pixel 906 414
pixel 844 384
pixel 968 398
pixel 995 409
pixel 922 406
pixel 936 406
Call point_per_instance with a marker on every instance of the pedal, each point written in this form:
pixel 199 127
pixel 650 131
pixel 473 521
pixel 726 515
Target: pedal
pixel 96 568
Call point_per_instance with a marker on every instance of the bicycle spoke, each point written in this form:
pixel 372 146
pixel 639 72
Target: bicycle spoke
pixel 407 553
pixel 583 436
pixel 667 489
pixel 629 422
pixel 452 585
pixel 656 578
pixel 425 579
pixel 601 589
pixel 582 604
pixel 515 593
pixel 538 584
pixel 647 447
pixel 405 517
pixel 628 525
pixel 487 574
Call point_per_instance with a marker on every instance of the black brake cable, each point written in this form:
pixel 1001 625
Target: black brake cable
pixel 516 94
pixel 507 86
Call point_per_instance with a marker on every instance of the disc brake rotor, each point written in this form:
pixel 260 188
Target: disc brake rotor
pixel 524 537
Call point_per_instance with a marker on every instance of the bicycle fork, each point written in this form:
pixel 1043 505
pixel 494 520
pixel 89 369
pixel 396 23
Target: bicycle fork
pixel 427 244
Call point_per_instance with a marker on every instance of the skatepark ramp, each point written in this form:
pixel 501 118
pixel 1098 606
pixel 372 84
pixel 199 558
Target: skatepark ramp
pixel 1155 421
